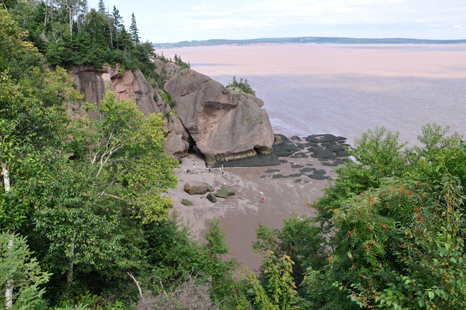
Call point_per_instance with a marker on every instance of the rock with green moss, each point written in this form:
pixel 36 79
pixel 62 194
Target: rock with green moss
pixel 186 202
pixel 228 190
pixel 277 140
pixel 211 197
pixel 197 188
pixel 221 193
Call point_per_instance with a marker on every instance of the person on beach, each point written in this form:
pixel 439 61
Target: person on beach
pixel 262 201
pixel 194 166
pixel 221 168
pixel 210 170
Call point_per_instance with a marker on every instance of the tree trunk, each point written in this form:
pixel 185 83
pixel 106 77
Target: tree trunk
pixel 69 278
pixel 9 285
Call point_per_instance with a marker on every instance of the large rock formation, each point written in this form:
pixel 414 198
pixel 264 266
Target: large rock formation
pixel 225 124
pixel 128 85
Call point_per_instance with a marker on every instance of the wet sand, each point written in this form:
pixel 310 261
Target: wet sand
pixel 241 214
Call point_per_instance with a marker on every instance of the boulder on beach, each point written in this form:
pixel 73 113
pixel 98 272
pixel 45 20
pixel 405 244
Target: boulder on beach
pixel 197 188
pixel 277 140
pixel 286 148
pixel 186 202
pixel 221 193
pixel 307 169
pixel 211 197
pixel 318 176
pixel 228 190
pixel 320 152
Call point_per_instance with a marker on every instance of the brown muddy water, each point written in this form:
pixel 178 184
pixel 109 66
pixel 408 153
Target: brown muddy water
pixel 346 89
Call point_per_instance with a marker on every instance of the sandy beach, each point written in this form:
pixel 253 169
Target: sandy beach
pixel 241 214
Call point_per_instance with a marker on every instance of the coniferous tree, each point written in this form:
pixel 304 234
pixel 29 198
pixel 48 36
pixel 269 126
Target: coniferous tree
pixel 101 7
pixel 133 29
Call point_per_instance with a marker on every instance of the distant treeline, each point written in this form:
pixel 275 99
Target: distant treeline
pixel 299 40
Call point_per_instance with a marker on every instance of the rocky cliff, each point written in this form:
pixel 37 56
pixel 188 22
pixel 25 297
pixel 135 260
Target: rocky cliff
pixel 224 124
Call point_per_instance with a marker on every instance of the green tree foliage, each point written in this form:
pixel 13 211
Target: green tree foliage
pixel 432 256
pixel 280 290
pixel 18 265
pixel 68 33
pixel 178 61
pixel 242 86
pixel 133 29
pixel 390 228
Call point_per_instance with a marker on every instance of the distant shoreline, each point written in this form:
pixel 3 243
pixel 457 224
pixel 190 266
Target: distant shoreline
pixel 302 40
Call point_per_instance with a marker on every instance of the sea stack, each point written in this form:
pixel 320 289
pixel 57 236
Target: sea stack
pixel 223 123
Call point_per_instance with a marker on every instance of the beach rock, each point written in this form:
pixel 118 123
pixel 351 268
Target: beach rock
pixel 298 180
pixel 329 163
pixel 297 166
pixel 281 176
pixel 272 170
pixel 312 139
pixel 286 148
pixel 305 170
pixel 335 162
pixel 186 202
pixel 211 197
pixel 295 138
pixel 317 176
pixel 299 155
pixel 197 188
pixel 277 140
pixel 260 160
pixel 337 148
pixel 228 190
pixel 283 161
pixel 319 152
pixel 320 171
pixel 224 123
pixel 221 193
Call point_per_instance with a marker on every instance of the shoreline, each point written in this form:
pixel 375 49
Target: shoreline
pixel 288 189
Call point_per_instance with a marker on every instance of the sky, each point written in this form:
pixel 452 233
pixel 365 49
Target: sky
pixel 163 21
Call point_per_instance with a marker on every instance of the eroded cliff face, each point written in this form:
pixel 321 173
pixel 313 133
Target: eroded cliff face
pixel 224 124
pixel 129 85
pixel 91 82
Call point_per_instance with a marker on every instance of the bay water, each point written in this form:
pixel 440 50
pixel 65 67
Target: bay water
pixel 345 89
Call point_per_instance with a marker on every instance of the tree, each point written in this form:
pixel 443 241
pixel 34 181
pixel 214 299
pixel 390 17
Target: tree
pixel 19 267
pixel 133 29
pixel 101 7
pixel 280 292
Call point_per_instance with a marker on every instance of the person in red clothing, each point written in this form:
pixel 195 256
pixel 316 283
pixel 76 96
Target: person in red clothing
pixel 262 201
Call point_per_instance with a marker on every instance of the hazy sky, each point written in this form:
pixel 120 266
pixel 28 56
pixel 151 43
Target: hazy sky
pixel 179 20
